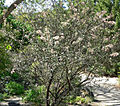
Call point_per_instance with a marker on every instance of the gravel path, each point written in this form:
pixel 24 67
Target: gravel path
pixel 14 101
pixel 106 91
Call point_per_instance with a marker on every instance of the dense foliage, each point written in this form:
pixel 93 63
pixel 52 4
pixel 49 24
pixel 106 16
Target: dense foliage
pixel 14 88
pixel 51 49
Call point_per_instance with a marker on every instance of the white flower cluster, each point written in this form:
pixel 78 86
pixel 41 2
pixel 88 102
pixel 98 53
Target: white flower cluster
pixel 114 54
pixel 107 47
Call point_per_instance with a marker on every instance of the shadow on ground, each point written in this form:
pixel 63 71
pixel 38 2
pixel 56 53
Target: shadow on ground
pixel 108 95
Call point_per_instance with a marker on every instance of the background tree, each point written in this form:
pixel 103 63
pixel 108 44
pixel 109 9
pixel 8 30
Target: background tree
pixel 5 64
pixel 112 7
pixel 111 17
pixel 9 10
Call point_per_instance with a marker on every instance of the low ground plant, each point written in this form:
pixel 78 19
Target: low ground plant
pixel 35 95
pixel 14 88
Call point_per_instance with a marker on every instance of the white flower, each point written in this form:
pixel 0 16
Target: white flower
pixel 78 40
pixel 91 50
pixel 61 33
pixel 74 9
pixel 57 42
pixel 108 17
pixel 46 29
pixel 114 54
pixel 106 39
pixel 94 36
pixel 100 14
pixel 110 22
pixel 39 32
pixel 109 46
pixel 56 37
pixel 64 23
pixel 43 38
pixel 62 37
pixel 83 3
pixel 12 71
pixel 43 49
pixel 52 51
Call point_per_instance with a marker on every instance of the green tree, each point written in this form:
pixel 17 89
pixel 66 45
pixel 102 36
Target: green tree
pixel 5 62
pixel 9 10
pixel 111 8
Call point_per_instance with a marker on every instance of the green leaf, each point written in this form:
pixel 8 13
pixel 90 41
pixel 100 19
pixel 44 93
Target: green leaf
pixel 8 47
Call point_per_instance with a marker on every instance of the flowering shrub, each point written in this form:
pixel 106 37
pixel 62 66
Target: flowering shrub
pixel 67 44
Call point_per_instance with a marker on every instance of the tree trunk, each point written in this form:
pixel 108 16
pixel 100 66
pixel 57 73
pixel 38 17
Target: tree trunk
pixel 10 9
pixel 48 91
